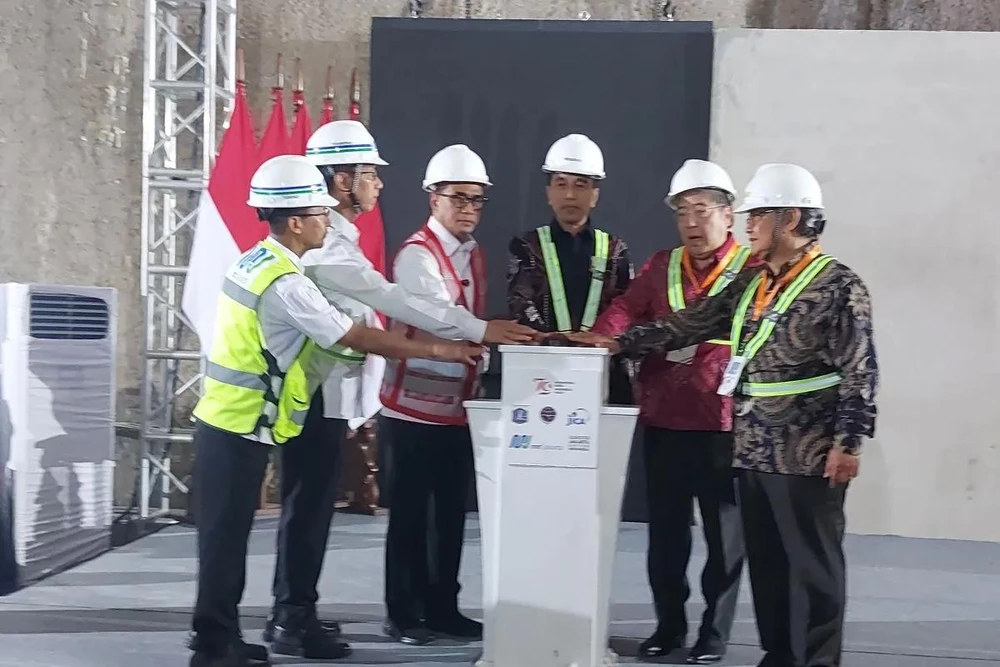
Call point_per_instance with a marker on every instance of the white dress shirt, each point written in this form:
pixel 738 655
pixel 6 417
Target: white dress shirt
pixel 416 267
pixel 350 391
pixel 340 268
pixel 291 310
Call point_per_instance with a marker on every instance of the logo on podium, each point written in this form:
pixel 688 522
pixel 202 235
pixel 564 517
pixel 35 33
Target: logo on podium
pixel 519 416
pixel 578 417
pixel 545 386
pixel 548 414
pixel 519 441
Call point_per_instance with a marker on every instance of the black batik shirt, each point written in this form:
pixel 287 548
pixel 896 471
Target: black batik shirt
pixel 828 328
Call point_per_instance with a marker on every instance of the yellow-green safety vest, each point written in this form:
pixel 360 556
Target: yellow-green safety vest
pixel 753 346
pixel 675 281
pixel 245 392
pixel 598 268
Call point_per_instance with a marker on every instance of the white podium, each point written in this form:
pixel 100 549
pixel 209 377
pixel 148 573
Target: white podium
pixel 551 461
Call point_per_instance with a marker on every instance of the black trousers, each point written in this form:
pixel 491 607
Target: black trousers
pixel 795 534
pixel 682 466
pixel 308 498
pixel 431 464
pixel 228 472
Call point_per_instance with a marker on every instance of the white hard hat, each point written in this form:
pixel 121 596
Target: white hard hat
pixel 781 186
pixel 289 181
pixel 575 154
pixel 455 164
pixel 343 142
pixel 697 175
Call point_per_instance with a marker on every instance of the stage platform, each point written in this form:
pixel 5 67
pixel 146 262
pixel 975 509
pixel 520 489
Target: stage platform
pixel 913 603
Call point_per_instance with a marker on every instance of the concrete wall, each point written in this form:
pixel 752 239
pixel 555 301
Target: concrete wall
pixel 70 110
pixel 901 131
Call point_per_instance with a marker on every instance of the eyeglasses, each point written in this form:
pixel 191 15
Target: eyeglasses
pixel 324 213
pixel 696 212
pixel 760 212
pixel 460 201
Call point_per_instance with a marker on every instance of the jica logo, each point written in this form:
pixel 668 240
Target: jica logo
pixel 578 417
pixel 520 441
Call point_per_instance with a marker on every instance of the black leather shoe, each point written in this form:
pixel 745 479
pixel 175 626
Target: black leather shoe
pixel 705 654
pixel 414 634
pixel 235 656
pixel 456 626
pixel 330 627
pixel 776 660
pixel 660 645
pixel 254 654
pixel 309 641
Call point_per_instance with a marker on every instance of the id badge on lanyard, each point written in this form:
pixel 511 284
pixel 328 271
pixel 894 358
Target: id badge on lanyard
pixel 731 376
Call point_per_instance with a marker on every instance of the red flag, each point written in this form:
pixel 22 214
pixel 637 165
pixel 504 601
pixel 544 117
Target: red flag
pixel 328 115
pixel 303 126
pixel 355 110
pixel 275 140
pixel 370 225
pixel 226 226
pixel 372 237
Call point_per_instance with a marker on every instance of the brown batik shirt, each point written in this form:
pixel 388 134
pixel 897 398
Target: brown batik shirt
pixel 827 329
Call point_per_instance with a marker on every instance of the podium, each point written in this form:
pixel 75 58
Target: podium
pixel 551 460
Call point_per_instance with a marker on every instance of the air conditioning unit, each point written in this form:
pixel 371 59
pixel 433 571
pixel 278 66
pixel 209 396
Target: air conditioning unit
pixel 57 412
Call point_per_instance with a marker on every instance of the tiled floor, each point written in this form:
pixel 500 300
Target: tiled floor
pixel 913 603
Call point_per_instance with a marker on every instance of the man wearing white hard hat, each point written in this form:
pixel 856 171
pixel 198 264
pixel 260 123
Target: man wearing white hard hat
pixel 803 376
pixel 275 340
pixel 431 444
pixel 562 275
pixel 346 154
pixel 687 438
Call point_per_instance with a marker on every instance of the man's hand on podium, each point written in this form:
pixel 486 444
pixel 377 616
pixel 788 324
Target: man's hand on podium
pixel 460 351
pixel 506 332
pixel 591 339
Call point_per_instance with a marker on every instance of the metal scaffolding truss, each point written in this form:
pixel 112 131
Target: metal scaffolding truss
pixel 188 85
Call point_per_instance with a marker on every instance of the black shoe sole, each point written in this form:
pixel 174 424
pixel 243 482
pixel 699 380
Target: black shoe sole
pixel 330 627
pixel 458 638
pixel 393 632
pixel 297 651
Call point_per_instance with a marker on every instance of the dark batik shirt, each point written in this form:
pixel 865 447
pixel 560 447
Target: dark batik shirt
pixel 827 329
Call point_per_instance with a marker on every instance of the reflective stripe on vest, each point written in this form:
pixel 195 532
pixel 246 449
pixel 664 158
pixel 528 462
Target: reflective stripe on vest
pixel 598 267
pixel 245 392
pixel 675 280
pixel 433 391
pixel 753 346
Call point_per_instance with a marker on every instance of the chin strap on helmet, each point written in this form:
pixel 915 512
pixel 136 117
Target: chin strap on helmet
pixel 777 230
pixel 355 183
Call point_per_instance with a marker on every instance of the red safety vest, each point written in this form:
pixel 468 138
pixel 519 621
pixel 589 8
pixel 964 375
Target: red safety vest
pixel 428 390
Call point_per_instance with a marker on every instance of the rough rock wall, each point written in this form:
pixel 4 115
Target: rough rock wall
pixel 874 14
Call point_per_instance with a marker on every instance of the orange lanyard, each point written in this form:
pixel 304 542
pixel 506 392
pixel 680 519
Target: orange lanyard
pixel 765 296
pixel 720 266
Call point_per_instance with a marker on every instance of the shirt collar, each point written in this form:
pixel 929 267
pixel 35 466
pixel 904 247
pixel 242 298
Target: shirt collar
pixel 296 260
pixel 586 231
pixel 724 248
pixel 793 260
pixel 449 243
pixel 342 225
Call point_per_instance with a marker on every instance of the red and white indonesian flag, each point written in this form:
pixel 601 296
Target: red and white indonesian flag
pixel 226 226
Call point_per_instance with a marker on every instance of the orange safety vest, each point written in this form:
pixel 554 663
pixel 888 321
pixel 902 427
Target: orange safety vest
pixel 428 390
